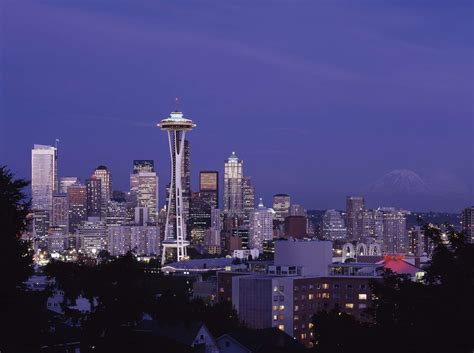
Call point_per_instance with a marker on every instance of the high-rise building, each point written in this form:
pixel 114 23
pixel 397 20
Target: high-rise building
pixel 94 197
pixel 77 206
pixel 141 240
pixel 65 182
pixel 261 226
pixel 102 173
pixel 333 226
pixel 199 218
pixel 44 176
pixel 371 224
pixel 296 227
pixel 233 195
pixel 60 215
pixel 186 179
pixel 248 197
pixel 209 187
pixel 176 125
pixel 395 240
pixel 281 206
pixel 144 185
pixel 467 222
pixel 143 165
pixel 354 205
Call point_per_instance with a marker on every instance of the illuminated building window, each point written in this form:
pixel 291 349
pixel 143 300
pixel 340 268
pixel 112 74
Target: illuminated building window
pixel 318 295
pixel 275 289
pixel 325 295
pixel 362 296
pixel 303 336
pixel 297 307
pixel 275 307
pixel 281 327
pixel 281 317
pixel 296 318
pixel 310 296
pixel 275 317
pixel 325 286
pixel 349 305
pixel 310 325
pixel 282 307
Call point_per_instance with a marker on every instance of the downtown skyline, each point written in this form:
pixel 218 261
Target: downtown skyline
pixel 305 120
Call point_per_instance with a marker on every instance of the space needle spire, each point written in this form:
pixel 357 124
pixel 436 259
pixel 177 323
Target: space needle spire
pixel 176 125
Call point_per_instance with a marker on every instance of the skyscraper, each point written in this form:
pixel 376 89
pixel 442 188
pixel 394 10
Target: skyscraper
pixel 94 197
pixel 44 176
pixel 102 173
pixel 176 125
pixel 333 226
pixel 248 197
pixel 209 187
pixel 261 226
pixel 144 185
pixel 354 205
pixel 77 206
pixel 395 239
pixel 281 206
pixel 233 172
pixel 199 217
pixel 371 224
pixel 467 222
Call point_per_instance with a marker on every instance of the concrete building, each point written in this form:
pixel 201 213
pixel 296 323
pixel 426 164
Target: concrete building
pixel 296 227
pixel 281 206
pixel 65 182
pixel 102 173
pixel 371 224
pixel 44 177
pixel 297 210
pixel 248 197
pixel 142 240
pixel 60 215
pixel 209 187
pixel 333 227
pixel 354 205
pixel 92 236
pixel 94 197
pixel 260 226
pixel 246 254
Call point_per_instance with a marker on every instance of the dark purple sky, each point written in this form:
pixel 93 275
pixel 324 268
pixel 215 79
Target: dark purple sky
pixel 319 98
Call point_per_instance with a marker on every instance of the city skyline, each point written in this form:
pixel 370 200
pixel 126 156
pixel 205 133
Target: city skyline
pixel 363 118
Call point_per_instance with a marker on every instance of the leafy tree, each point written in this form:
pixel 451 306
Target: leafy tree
pixel 22 312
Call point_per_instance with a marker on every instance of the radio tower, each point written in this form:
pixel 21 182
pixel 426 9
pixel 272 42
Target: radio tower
pixel 176 125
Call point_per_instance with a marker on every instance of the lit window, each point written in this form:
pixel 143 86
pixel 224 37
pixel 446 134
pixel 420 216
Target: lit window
pixel 325 286
pixel 303 336
pixel 325 296
pixel 282 307
pixel 275 289
pixel 275 307
pixel 281 327
pixel 310 325
pixel 349 305
pixel 362 296
pixel 310 296
pixel 296 318
pixel 275 317
pixel 281 318
pixel 297 307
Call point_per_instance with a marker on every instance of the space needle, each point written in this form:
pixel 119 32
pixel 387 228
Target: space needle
pixel 175 232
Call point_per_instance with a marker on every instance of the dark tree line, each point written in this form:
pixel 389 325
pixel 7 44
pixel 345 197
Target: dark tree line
pixel 435 314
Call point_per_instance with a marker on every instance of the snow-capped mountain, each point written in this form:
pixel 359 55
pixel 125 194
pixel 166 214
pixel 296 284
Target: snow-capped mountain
pixel 400 181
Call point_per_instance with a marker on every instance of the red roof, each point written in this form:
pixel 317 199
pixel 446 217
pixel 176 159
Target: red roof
pixel 398 265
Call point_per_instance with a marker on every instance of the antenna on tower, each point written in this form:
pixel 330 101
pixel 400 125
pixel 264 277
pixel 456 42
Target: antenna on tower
pixel 176 100
pixel 56 143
